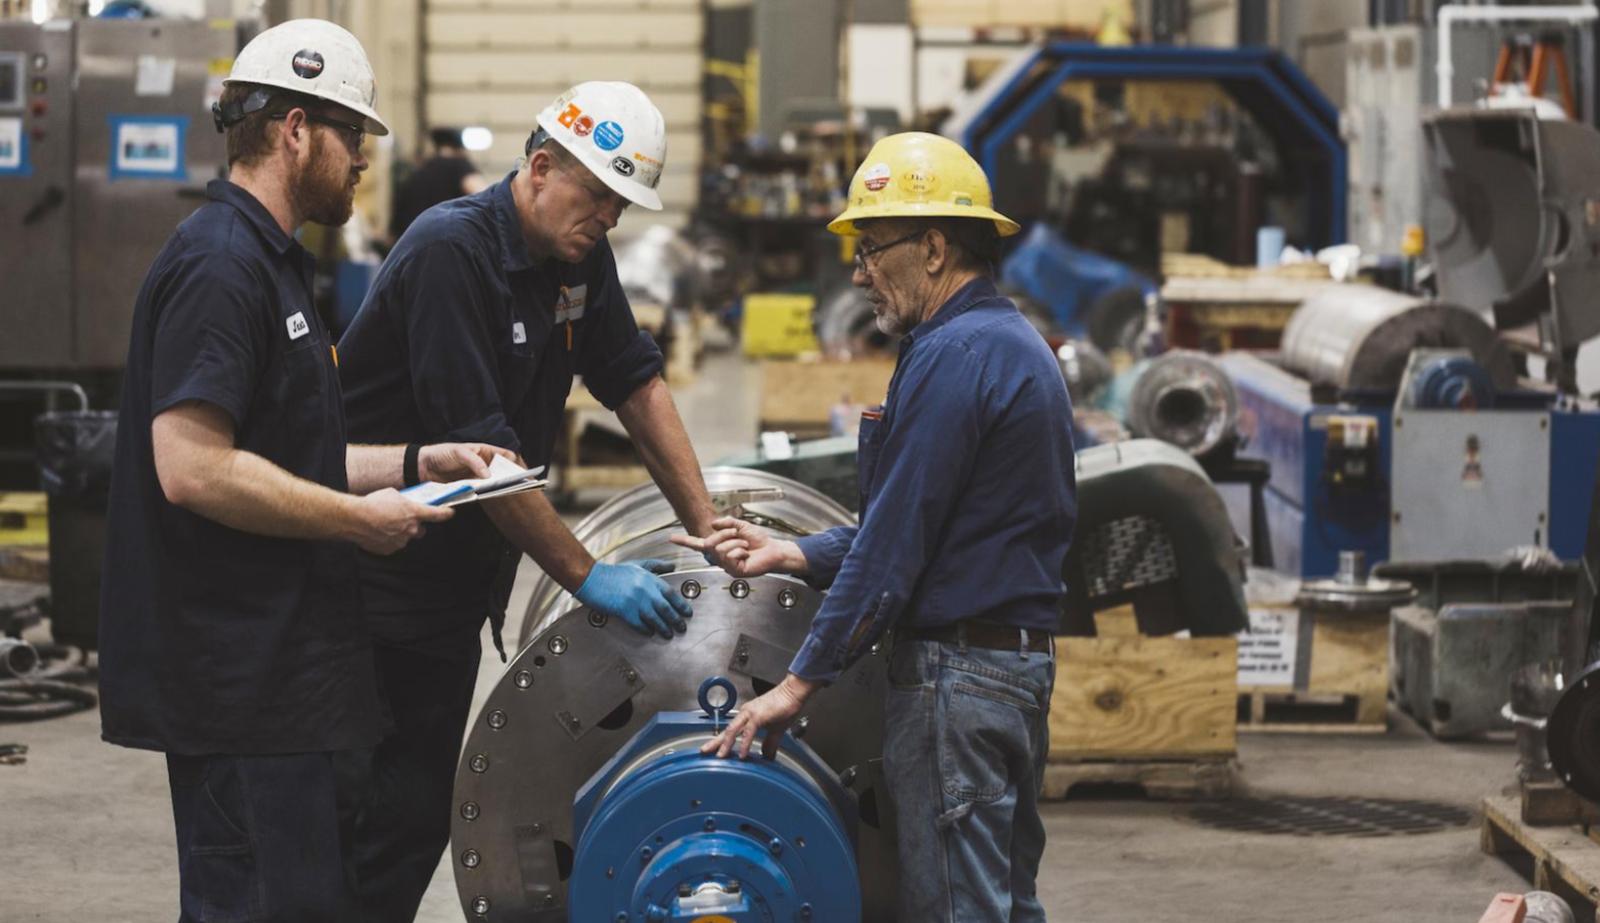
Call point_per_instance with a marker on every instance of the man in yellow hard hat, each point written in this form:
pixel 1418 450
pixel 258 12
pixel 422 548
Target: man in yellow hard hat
pixel 968 503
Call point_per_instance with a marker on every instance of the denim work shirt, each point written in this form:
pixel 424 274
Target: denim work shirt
pixel 968 491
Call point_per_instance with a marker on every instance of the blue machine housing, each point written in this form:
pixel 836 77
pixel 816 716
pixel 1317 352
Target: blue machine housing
pixel 1312 519
pixel 666 834
pixel 1066 279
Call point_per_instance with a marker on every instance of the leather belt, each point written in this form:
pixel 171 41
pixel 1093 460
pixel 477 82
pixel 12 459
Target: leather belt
pixel 987 635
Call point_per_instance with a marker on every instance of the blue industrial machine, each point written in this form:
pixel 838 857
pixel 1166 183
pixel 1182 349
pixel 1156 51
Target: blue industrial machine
pixel 1397 425
pixel 582 794
pixel 1394 426
pixel 666 834
pixel 1125 180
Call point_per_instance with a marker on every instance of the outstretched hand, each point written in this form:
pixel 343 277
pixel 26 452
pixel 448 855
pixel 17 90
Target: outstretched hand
pixel 744 550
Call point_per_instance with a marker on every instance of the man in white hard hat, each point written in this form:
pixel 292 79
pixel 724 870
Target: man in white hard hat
pixel 474 328
pixel 231 634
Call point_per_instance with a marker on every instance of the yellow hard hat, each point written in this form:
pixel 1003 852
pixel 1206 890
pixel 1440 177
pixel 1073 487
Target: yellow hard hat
pixel 917 175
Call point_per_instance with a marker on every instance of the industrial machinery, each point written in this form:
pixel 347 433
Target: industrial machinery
pixel 1135 151
pixel 581 793
pixel 106 145
pixel 1358 431
pixel 1152 532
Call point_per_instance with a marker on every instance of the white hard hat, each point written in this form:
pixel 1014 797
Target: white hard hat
pixel 615 131
pixel 314 57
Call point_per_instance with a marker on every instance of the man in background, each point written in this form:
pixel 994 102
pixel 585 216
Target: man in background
pixel 447 175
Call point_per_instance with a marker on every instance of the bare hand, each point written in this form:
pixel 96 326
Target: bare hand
pixel 744 550
pixel 450 461
pixel 774 710
pixel 386 521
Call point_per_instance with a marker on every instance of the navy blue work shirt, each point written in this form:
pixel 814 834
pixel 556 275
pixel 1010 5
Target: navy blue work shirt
pixel 464 337
pixel 214 640
pixel 968 489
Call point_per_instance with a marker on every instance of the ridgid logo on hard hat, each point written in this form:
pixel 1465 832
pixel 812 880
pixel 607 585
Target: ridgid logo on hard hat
pixel 307 63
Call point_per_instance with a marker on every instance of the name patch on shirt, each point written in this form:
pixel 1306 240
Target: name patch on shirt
pixel 519 333
pixel 298 326
pixel 569 304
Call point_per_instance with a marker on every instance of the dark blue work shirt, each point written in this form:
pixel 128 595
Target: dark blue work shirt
pixel 215 640
pixel 465 337
pixel 968 491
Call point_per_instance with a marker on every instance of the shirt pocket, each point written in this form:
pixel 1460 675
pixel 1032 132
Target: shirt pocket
pixel 869 444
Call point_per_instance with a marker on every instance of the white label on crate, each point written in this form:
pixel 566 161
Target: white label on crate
pixel 1267 650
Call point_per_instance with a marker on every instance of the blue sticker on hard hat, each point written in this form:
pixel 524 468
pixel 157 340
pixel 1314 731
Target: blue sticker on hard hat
pixel 307 63
pixel 608 136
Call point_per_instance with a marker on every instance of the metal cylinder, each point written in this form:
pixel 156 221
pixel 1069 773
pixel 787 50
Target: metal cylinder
pixel 583 687
pixel 17 658
pixel 1358 337
pixel 635 525
pixel 1184 399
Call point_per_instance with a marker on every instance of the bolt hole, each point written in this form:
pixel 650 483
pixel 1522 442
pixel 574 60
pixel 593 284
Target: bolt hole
pixel 538 661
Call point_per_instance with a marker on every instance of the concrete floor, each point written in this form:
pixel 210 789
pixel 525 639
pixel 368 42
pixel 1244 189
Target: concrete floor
pixel 87 829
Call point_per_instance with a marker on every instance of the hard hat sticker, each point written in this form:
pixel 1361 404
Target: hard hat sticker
pixel 569 115
pixel 876 177
pixel 307 63
pixel 622 165
pixel 583 126
pixel 920 181
pixel 608 136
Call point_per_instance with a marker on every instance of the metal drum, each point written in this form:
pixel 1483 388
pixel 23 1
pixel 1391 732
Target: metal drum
pixel 582 689
pixel 1184 398
pixel 1358 338
pixel 635 525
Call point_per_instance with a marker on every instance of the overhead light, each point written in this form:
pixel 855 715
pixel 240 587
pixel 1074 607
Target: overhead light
pixel 41 11
pixel 477 138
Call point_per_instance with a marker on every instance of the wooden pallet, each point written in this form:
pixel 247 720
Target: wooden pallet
pixel 1163 780
pixel 1275 712
pixel 1562 860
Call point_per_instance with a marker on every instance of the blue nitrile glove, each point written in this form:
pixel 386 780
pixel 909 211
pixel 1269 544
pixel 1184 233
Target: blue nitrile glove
pixel 633 593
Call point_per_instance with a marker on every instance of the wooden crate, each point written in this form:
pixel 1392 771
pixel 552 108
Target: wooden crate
pixel 797 396
pixel 1347 691
pixel 1561 860
pixel 577 469
pixel 1142 698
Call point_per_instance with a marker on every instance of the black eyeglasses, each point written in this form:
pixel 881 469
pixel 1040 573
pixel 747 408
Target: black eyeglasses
pixel 351 135
pixel 862 253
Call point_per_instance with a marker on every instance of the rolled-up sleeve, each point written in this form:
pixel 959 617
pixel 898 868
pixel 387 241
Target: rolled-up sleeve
pixel 616 357
pixel 452 356
pixel 933 427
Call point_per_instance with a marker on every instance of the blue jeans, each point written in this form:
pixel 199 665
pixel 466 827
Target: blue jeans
pixel 966 733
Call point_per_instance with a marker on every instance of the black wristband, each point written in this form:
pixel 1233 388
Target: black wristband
pixel 408 470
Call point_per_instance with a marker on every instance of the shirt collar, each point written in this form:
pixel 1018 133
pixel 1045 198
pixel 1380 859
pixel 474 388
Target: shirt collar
pixel 513 247
pixel 965 297
pixel 221 190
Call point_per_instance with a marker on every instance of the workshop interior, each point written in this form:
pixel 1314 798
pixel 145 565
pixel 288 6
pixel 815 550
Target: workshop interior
pixel 1321 278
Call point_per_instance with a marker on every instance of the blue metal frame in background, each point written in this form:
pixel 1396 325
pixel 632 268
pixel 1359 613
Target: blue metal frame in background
pixel 1263 82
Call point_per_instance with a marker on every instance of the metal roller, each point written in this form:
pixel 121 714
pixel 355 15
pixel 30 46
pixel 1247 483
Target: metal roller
pixel 1358 337
pixel 586 697
pixel 635 525
pixel 1185 399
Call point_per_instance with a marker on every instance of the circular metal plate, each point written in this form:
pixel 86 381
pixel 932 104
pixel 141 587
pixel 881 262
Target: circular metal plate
pixel 1573 734
pixel 583 686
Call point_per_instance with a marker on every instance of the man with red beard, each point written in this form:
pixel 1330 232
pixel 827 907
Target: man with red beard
pixel 231 633
pixel 479 319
